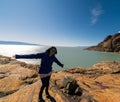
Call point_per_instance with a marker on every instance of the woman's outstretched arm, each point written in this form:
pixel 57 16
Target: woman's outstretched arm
pixel 58 62
pixel 30 56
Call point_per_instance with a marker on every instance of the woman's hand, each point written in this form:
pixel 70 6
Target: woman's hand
pixel 13 57
pixel 62 65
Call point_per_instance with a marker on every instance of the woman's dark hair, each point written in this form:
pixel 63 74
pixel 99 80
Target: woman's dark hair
pixel 48 50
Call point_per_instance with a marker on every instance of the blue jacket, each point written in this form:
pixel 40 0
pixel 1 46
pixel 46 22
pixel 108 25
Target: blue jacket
pixel 46 61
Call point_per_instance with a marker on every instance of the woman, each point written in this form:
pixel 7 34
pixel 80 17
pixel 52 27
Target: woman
pixel 45 70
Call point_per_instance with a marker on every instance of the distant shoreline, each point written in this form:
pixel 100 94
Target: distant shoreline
pixel 16 43
pixel 22 44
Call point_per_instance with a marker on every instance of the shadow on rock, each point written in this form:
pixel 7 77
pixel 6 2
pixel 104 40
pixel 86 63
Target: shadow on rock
pixel 68 85
pixel 51 98
pixel 70 88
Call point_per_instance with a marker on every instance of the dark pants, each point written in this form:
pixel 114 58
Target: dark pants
pixel 45 84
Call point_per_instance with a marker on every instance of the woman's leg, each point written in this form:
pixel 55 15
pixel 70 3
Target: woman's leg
pixel 47 85
pixel 42 87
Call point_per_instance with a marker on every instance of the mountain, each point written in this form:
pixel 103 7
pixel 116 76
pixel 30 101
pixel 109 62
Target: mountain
pixel 15 43
pixel 110 44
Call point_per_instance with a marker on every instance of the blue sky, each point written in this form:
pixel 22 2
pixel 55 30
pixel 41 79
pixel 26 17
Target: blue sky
pixel 59 22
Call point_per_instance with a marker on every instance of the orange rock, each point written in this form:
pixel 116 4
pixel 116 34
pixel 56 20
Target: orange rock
pixel 20 82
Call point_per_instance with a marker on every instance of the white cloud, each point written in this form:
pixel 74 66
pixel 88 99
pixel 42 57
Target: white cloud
pixel 96 12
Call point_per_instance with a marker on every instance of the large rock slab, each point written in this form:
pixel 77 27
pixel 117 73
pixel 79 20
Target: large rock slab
pixel 20 82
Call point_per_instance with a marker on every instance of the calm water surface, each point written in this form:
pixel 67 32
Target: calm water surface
pixel 69 56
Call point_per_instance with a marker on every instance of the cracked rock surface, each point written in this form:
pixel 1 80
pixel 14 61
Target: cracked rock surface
pixel 20 82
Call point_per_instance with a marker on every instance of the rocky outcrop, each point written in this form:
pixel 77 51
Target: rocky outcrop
pixel 110 44
pixel 20 82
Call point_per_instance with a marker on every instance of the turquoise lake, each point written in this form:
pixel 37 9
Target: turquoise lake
pixel 69 56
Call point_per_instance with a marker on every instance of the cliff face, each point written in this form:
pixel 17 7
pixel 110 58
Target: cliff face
pixel 20 82
pixel 110 44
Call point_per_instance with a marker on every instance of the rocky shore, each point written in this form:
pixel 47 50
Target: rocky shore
pixel 110 44
pixel 20 82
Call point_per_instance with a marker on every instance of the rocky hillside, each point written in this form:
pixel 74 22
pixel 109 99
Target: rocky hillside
pixel 110 44
pixel 20 82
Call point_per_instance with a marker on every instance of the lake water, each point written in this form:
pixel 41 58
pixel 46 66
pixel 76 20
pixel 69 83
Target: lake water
pixel 69 56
